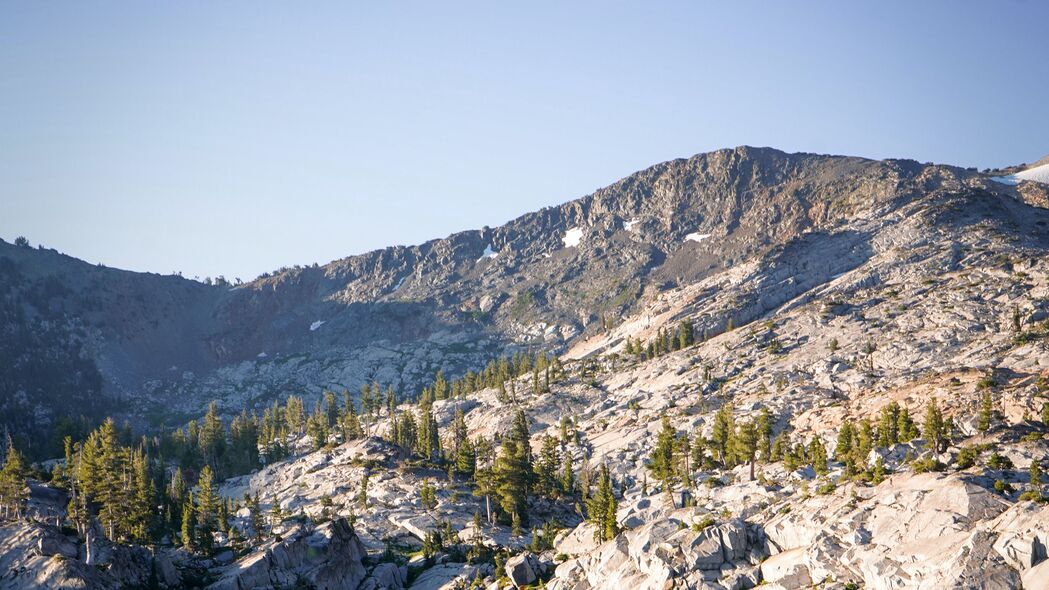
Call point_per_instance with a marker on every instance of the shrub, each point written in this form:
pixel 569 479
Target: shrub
pixel 999 462
pixel 927 464
pixel 705 522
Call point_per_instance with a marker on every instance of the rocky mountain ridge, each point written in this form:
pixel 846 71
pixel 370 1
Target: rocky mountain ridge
pixel 824 293
pixel 163 345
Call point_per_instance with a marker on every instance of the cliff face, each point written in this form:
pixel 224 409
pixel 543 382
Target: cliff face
pixel 162 346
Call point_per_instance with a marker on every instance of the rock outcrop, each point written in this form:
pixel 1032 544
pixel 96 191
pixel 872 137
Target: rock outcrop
pixel 329 557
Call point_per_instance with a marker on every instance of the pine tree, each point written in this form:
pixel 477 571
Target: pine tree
pixel 207 510
pixel 140 509
pixel 212 436
pixel 601 507
pixel 983 420
pixel 845 438
pixel 189 524
pixel 546 468
pixel 935 428
pixel 818 456
pixel 723 428
pixel 13 490
pixel 255 516
pixel 764 426
pixel 110 493
pixel 466 459
pixel 905 427
pixel 362 493
pixel 888 433
pixel 747 444
pixel 512 475
pixel 661 461
pixel 567 475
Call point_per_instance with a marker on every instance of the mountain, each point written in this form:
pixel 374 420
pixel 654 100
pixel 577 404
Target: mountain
pixel 795 370
pixel 162 346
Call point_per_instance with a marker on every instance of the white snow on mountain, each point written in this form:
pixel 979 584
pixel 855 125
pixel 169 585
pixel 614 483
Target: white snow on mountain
pixel 315 325
pixel 488 253
pixel 1036 174
pixel 696 237
pixel 573 237
pixel 629 225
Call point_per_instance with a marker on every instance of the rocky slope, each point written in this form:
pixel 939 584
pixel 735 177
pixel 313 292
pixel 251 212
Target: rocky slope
pixel 829 288
pixel 162 346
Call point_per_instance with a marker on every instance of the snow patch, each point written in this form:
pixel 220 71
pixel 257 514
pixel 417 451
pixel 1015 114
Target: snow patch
pixel 262 355
pixel 696 237
pixel 488 253
pixel 1036 174
pixel 573 237
pixel 399 283
pixel 315 325
pixel 629 225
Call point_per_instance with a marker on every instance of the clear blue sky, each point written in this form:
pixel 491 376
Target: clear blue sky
pixel 235 137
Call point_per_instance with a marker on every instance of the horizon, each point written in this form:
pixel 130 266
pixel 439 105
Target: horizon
pixel 153 139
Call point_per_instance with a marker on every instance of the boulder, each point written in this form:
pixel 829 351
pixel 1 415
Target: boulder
pixel 787 569
pixel 56 544
pixel 328 558
pixel 522 569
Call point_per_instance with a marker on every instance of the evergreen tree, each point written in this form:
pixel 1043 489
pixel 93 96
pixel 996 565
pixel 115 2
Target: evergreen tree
pixel 512 475
pixel 661 461
pixel 189 524
pixel 905 427
pixel 764 426
pixel 466 459
pixel 601 507
pixel 936 434
pixel 983 420
pixel 567 475
pixel 13 490
pixel 723 428
pixel 546 468
pixel 207 510
pixel 846 434
pixel 818 456
pixel 747 444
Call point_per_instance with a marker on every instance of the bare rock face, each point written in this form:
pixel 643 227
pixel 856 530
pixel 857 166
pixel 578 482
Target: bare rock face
pixel 522 570
pixel 34 555
pixel 330 557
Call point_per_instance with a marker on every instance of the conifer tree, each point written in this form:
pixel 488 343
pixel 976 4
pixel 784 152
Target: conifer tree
pixel 936 433
pixel 818 456
pixel 512 475
pixel 567 475
pixel 983 420
pixel 661 461
pixel 601 507
pixel 764 426
pixel 546 468
pixel 905 427
pixel 189 524
pixel 845 438
pixel 207 510
pixel 466 459
pixel 13 491
pixel 723 428
pixel 747 444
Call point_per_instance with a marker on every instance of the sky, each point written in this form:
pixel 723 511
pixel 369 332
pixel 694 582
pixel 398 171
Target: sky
pixel 232 138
